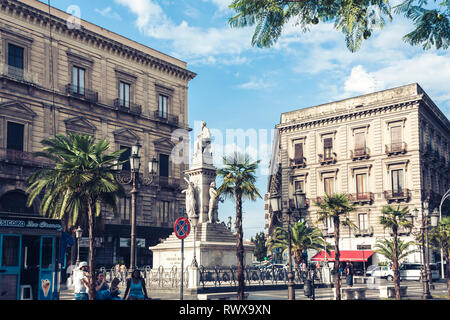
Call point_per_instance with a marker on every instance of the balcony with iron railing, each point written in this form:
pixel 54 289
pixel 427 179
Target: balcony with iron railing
pixel 360 153
pixel 327 159
pixel 167 182
pixel 166 117
pixel 18 74
pixel 292 204
pixel 364 232
pixel 18 157
pixel 127 106
pixel 361 197
pixel 81 93
pixel 298 163
pixel 398 196
pixel 396 148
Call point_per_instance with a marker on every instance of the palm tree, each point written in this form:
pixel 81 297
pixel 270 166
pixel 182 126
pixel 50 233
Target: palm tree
pixel 303 237
pixel 385 247
pixel 440 238
pixel 239 178
pixel 82 180
pixel 336 208
pixel 392 218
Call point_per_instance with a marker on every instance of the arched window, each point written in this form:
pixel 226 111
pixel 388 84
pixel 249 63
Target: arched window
pixel 15 202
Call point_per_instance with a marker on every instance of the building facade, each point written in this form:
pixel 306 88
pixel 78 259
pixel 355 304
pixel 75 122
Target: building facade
pixel 388 147
pixel 60 75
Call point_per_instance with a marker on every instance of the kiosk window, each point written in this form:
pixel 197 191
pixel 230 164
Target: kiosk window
pixel 10 251
pixel 47 253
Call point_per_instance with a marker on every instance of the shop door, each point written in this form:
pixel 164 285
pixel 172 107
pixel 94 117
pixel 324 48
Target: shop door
pixel 10 257
pixel 46 279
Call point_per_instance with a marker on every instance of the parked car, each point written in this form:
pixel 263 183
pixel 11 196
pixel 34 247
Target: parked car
pixel 412 271
pixel 370 269
pixel 384 272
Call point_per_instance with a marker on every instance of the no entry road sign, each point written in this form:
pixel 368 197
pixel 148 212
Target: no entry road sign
pixel 182 227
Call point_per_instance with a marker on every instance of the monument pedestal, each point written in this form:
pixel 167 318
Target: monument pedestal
pixel 215 245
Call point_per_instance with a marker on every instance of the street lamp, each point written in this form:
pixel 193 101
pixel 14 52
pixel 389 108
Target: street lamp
pixel 276 204
pixel 445 196
pixel 78 235
pixel 135 181
pixel 424 239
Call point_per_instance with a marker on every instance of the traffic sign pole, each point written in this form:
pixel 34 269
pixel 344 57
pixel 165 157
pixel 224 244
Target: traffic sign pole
pixel 182 268
pixel 182 227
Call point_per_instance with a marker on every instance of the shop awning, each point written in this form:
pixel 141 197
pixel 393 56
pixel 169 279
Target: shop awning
pixel 345 255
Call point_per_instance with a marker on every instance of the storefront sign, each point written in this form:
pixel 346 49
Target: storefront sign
pixel 30 224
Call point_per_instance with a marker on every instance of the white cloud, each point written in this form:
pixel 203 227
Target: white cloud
pixel 108 13
pixel 256 84
pixel 187 41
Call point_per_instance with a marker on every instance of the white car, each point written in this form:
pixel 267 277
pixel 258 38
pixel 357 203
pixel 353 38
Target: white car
pixel 383 272
pixel 412 271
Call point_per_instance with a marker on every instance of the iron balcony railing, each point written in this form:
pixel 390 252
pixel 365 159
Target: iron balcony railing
pixel 327 159
pixel 360 153
pixel 396 148
pixel 400 195
pixel 18 74
pixel 166 117
pixel 82 93
pixel 300 162
pixel 127 106
pixel 368 231
pixel 361 197
pixel 23 158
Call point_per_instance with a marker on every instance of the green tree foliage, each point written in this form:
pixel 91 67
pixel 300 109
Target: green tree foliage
pixel 356 19
pixel 239 179
pixel 385 247
pixel 81 181
pixel 303 237
pixel 260 246
pixel 440 239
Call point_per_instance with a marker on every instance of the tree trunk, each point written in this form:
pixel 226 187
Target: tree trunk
pixel 91 253
pixel 446 259
pixel 337 283
pixel 395 266
pixel 239 247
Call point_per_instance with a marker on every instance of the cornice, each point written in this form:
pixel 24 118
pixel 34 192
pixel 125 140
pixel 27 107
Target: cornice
pixel 34 15
pixel 338 117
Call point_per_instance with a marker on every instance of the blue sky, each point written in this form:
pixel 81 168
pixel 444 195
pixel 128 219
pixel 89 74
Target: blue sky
pixel 240 87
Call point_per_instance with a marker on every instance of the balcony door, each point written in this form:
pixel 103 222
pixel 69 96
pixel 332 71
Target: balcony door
pixel 397 182
pixel 361 186
pixel 396 138
pixel 78 80
pixel 360 144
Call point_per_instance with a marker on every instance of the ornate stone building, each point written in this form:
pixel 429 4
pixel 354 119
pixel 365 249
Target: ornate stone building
pixel 58 77
pixel 387 147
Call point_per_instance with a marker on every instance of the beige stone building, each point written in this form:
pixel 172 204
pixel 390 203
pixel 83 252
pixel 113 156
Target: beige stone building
pixel 60 75
pixel 387 147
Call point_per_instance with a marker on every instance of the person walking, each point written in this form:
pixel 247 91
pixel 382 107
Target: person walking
pixel 135 287
pixel 349 274
pixel 81 282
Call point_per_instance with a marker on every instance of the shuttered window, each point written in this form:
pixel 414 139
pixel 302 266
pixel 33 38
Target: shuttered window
pixel 360 143
pixel 328 148
pixel 298 156
pixel 361 186
pixel 329 186
pixel 163 165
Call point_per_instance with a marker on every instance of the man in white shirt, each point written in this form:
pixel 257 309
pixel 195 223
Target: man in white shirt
pixel 81 282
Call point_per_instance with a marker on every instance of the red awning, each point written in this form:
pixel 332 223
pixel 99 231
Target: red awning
pixel 350 255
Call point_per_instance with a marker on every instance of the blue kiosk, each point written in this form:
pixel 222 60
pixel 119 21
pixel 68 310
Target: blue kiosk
pixel 30 253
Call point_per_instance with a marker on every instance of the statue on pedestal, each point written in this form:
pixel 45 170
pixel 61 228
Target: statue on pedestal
pixel 213 214
pixel 190 199
pixel 203 146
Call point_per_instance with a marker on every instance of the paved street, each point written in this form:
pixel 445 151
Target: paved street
pixel 414 292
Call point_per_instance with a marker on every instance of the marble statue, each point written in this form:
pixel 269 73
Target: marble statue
pixel 202 144
pixel 213 199
pixel 190 199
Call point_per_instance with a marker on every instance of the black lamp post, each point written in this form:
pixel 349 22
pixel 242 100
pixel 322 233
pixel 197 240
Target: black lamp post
pixel 135 181
pixel 78 235
pixel 276 204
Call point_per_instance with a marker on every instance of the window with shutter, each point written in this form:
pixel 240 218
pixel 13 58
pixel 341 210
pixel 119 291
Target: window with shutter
pixel 397 182
pixel 396 138
pixel 360 143
pixel 361 186
pixel 329 186
pixel 298 156
pixel 328 148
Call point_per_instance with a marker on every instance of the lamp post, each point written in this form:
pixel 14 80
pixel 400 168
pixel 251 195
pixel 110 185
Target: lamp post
pixel 135 181
pixel 78 235
pixel 445 196
pixel 425 283
pixel 275 202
